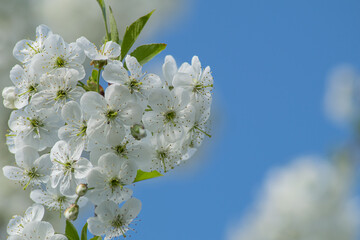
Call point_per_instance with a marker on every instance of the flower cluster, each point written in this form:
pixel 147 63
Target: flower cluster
pixel 75 142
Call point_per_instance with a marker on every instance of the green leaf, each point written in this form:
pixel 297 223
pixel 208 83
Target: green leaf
pixel 132 32
pixel 94 75
pixel 84 232
pixel 101 3
pixel 103 10
pixel 113 28
pixel 145 53
pixel 70 231
pixel 141 175
pixel 92 81
pixel 96 238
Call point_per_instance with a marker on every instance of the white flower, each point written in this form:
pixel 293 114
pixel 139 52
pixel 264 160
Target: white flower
pixel 38 230
pixel 33 170
pixel 109 115
pixel 194 79
pixel 113 221
pixel 109 50
pixel 58 88
pixel 26 83
pixel 74 132
pixel 37 129
pixel 58 54
pixel 25 50
pixel 165 155
pixel 17 223
pixel 69 168
pixel 171 113
pixel 54 199
pixel 110 178
pixel 10 97
pixel 138 83
pixel 307 200
pixel 134 151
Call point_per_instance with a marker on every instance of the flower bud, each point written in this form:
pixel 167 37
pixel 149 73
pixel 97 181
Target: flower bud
pixel 72 212
pixel 81 189
pixel 138 131
pixel 9 96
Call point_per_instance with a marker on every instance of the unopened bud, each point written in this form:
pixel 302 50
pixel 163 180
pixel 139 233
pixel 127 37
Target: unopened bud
pixel 9 96
pixel 138 131
pixel 81 189
pixel 72 212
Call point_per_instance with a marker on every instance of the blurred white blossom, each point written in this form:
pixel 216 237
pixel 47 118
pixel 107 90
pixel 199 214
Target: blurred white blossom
pixel 307 200
pixel 342 98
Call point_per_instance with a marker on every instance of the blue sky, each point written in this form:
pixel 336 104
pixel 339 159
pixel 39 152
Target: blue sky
pixel 270 60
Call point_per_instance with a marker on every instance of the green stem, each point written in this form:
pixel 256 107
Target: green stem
pixel 77 199
pixel 98 81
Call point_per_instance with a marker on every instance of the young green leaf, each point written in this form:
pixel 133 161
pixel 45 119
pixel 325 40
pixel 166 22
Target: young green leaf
pixel 145 53
pixel 132 32
pixel 92 81
pixel 84 232
pixel 113 28
pixel 70 231
pixel 141 175
pixel 96 238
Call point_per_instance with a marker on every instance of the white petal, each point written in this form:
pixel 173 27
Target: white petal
pixel 58 237
pixel 13 173
pixel 38 196
pixel 114 133
pixel 96 227
pixel 92 103
pixel 111 163
pixel 173 133
pixel 13 226
pixel 96 179
pixel 44 164
pixel 111 49
pixel 169 68
pixel 34 213
pixel 117 95
pixel 133 66
pixel 131 113
pixel 82 169
pixel 131 208
pixel 183 80
pixel 71 113
pixel 38 230
pixel 55 45
pixel 114 72
pixel 88 47
pixel 60 152
pixel 195 63
pixel 160 100
pixel 26 156
pixel 17 75
pixel 106 211
pixel 153 121
pixel 22 51
pixel 151 81
pixel 42 32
